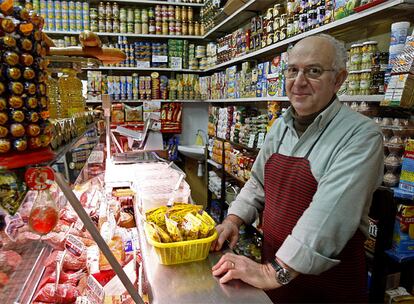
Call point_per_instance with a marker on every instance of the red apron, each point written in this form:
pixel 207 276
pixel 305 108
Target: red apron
pixel 289 188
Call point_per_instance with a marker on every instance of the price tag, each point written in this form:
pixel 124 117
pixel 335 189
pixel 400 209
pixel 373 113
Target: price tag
pixel 95 290
pixel 74 245
pixel 176 63
pixel 223 48
pixel 156 58
pixel 96 157
pixel 251 140
pixel 260 140
pixel 39 178
pixel 143 64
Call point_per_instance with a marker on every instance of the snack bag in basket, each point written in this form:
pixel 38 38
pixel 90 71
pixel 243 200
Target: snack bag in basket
pixel 158 234
pixel 207 225
pixel 156 215
pixel 173 229
pixel 191 226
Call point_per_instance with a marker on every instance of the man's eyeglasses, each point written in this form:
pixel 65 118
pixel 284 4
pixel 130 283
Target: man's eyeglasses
pixel 311 72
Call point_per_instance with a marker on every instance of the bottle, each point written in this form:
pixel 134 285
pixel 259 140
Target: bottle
pixel 53 93
pixel 70 90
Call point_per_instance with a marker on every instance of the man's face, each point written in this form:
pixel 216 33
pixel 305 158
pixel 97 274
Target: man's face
pixel 309 94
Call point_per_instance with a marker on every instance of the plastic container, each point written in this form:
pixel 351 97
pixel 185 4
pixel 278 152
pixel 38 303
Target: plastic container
pixel 181 252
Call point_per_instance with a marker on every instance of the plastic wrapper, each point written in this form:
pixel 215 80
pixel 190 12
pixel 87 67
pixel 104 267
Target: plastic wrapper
pixel 173 229
pixel 191 226
pixel 13 190
pixel 133 114
pixel 70 262
pixel 65 293
pixel 158 234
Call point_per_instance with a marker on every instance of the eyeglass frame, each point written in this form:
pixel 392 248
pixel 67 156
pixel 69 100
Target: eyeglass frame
pixel 304 73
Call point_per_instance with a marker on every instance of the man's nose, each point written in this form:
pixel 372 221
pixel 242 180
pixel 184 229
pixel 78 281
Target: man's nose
pixel 300 79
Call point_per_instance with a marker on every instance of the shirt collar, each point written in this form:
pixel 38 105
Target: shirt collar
pixel 322 119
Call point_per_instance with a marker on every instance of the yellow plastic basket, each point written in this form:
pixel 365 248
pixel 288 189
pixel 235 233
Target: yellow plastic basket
pixel 181 252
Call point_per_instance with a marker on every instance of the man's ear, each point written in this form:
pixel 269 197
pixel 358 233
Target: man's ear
pixel 340 78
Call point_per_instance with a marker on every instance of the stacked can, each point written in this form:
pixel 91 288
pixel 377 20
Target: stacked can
pixel 178 49
pixel 159 55
pixel 135 86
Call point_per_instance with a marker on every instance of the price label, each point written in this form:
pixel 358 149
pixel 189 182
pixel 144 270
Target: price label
pixel 74 245
pixel 176 62
pixel 95 292
pixel 223 48
pixel 156 58
pixel 260 140
pixel 96 157
pixel 251 140
pixel 143 64
pixel 39 178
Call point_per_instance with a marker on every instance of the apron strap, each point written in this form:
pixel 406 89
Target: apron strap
pixel 281 140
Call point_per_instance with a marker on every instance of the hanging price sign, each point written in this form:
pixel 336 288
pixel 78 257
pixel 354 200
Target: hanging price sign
pixel 39 178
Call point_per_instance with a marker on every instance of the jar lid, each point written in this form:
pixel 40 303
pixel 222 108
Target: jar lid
pixel 356 45
pixel 370 42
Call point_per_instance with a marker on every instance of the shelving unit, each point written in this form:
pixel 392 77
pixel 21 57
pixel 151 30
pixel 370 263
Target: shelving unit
pixel 145 2
pixel 386 10
pixel 154 100
pixel 150 36
pixel 140 69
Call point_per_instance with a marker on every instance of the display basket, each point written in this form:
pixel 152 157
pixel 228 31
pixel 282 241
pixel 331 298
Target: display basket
pixel 181 252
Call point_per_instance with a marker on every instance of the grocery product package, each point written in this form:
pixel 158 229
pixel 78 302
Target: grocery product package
pixel 403 237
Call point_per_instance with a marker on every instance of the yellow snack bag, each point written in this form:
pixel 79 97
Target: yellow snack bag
pixel 191 226
pixel 208 224
pixel 173 230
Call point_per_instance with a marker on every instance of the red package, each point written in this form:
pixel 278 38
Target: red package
pixel 64 294
pixel 69 263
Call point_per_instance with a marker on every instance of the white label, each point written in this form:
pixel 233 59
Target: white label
pixel 260 140
pixel 74 245
pixel 156 58
pixel 251 140
pixel 223 48
pixel 96 157
pixel 176 63
pixel 143 64
pixel 96 292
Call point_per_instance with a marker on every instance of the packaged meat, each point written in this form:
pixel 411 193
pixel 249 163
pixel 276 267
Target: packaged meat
pixel 4 279
pixel 9 260
pixel 65 293
pixel 70 262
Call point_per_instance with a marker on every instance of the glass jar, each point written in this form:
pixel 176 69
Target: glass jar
pixel 115 26
pixel 93 14
pixel 353 83
pixel 365 82
pixel 355 57
pixel 369 48
pixel 123 15
pixel 94 26
pixel 108 26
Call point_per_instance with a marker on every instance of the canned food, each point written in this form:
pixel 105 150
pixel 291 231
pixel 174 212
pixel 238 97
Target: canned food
pixel 190 13
pixel 190 28
pixel 101 25
pixel 130 27
pixel 108 11
pixel 123 15
pixel 144 16
pixel 94 26
pixel 123 27
pixel 184 28
pixel 145 28
pixel 108 26
pixel 130 15
pixel 85 7
pixel 177 13
pixel 71 5
pixel 184 14
pixel 197 28
pixel 72 25
pixel 137 28
pixel 171 13
pixel 73 41
pixel 93 14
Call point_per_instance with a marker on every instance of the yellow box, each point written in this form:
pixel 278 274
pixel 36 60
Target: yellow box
pixel 181 252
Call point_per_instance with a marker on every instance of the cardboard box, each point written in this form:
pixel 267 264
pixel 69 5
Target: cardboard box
pixel 400 91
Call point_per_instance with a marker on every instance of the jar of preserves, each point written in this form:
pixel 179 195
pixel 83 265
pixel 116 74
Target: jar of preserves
pixel 184 17
pixel 123 27
pixel 115 11
pixel 178 29
pixel 355 57
pixel 164 28
pixel 365 82
pixel 144 16
pixel 130 15
pixel 137 15
pixel 369 49
pixel 108 26
pixel 177 13
pixel 184 28
pixel 130 27
pixel 171 13
pixel 151 28
pixel 276 10
pixel 108 11
pixel 353 83
pixel 190 13
pixel 138 28
pixel 94 25
pixel 93 14
pixel 115 26
pixel 101 10
pixel 123 15
pixel 171 28
pixel 196 28
pixel 101 25
pixel 145 28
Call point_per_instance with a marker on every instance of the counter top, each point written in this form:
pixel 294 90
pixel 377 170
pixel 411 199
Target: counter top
pixel 192 282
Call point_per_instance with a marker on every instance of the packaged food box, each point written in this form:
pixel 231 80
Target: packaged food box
pixel 403 237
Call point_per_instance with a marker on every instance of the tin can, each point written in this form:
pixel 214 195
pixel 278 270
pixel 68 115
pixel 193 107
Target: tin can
pixel 130 27
pixel 78 6
pixel 71 5
pixel 158 27
pixel 123 27
pixel 36 5
pixel 144 16
pixel 50 5
pixel 137 28
pixel 108 26
pixel 78 15
pixel 101 25
pixel 122 15
pixel 73 41
pixel 145 28
pixel 164 13
pixel 72 25
pixel 94 26
pixel 65 25
pixel 43 4
pixel 58 23
pixel 85 8
pixel 171 28
pixel 93 14
pixel 130 15
pixel 115 26
pixel 79 25
pixel 151 13
pixel 67 41
pixel 137 15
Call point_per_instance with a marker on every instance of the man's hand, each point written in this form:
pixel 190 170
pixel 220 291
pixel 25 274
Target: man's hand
pixel 228 230
pixel 233 266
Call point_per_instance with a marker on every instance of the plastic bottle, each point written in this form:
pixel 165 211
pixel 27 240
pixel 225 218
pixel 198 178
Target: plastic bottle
pixel 53 93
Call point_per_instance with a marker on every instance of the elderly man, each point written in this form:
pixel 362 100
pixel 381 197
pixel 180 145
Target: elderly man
pixel 313 180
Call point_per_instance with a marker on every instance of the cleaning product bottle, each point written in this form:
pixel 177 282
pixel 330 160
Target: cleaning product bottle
pixel 199 139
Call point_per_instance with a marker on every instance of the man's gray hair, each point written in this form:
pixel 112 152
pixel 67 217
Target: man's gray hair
pixel 340 51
